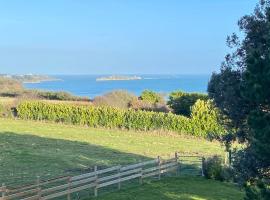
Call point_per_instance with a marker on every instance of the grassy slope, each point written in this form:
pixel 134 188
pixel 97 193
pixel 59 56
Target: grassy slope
pixel 37 148
pixel 31 148
pixel 180 188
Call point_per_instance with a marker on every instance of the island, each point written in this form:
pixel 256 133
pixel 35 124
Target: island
pixel 118 78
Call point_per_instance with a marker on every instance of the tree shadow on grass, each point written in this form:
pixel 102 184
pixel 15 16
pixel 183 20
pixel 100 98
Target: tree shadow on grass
pixel 23 157
pixel 177 188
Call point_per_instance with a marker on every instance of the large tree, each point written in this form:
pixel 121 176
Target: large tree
pixel 242 91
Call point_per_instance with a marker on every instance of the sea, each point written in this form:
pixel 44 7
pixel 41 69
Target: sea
pixel 88 86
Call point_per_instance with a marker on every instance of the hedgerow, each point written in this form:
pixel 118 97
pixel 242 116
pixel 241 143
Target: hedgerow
pixel 110 117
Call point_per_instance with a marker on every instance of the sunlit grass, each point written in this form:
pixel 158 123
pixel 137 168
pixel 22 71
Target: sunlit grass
pixel 180 188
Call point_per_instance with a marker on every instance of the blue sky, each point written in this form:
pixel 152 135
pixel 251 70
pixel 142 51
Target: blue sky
pixel 117 36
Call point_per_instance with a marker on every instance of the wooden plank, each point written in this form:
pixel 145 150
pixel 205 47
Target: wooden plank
pixel 119 180
pixel 131 177
pixel 15 190
pixel 130 172
pixel 168 165
pixel 59 194
pixel 20 194
pixel 150 169
pixel 67 185
pixel 22 188
pixel 36 197
pixel 168 169
pixel 138 165
pixel 106 178
pixel 119 174
pixel 150 174
pixel 45 182
pixel 108 170
pixel 108 183
pixel 94 173
pixel 53 189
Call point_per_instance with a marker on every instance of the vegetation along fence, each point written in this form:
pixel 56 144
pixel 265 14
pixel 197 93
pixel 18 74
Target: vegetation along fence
pixel 65 187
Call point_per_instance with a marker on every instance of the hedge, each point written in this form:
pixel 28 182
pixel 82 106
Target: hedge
pixel 108 117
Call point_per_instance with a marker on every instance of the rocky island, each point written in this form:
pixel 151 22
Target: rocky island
pixel 118 78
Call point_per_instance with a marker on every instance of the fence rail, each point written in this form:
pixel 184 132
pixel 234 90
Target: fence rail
pixel 116 175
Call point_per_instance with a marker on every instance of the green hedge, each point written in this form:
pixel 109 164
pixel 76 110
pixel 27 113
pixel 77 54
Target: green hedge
pixel 108 117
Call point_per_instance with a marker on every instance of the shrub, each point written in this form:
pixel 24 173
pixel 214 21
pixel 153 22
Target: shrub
pixel 117 98
pixel 138 104
pixel 206 119
pixel 151 97
pixel 213 168
pixel 6 110
pixel 61 96
pixel 103 117
pixel 181 102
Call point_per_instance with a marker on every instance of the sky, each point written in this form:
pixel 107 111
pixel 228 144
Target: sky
pixel 117 36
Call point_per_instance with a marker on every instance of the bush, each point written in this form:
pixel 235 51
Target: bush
pixel 206 118
pixel 213 168
pixel 104 117
pixel 151 97
pixel 109 117
pixel 6 110
pixel 181 102
pixel 61 96
pixel 138 104
pixel 117 98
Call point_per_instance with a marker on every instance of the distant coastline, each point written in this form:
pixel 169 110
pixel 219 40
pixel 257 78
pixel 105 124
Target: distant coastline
pixel 118 78
pixel 30 78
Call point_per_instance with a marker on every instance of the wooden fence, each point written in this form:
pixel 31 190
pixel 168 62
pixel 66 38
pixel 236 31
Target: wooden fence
pixel 64 187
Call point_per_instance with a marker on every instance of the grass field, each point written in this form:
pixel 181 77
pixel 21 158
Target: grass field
pixel 37 148
pixel 180 188
pixel 31 148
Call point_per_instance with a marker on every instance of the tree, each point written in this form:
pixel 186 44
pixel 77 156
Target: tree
pixel 181 102
pixel 241 91
pixel 151 97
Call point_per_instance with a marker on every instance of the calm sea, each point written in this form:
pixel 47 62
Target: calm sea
pixel 86 85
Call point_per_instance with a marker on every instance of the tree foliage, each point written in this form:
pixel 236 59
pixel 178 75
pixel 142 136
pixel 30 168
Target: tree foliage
pixel 207 117
pixel 181 102
pixel 151 97
pixel 241 91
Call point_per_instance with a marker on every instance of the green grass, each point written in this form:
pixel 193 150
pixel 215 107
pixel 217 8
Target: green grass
pixel 180 188
pixel 31 148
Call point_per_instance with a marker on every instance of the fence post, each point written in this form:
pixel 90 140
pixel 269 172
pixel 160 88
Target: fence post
pixel 159 168
pixel 176 161
pixel 203 162
pixel 119 178
pixel 3 191
pixel 38 188
pixel 141 177
pixel 96 182
pixel 69 187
